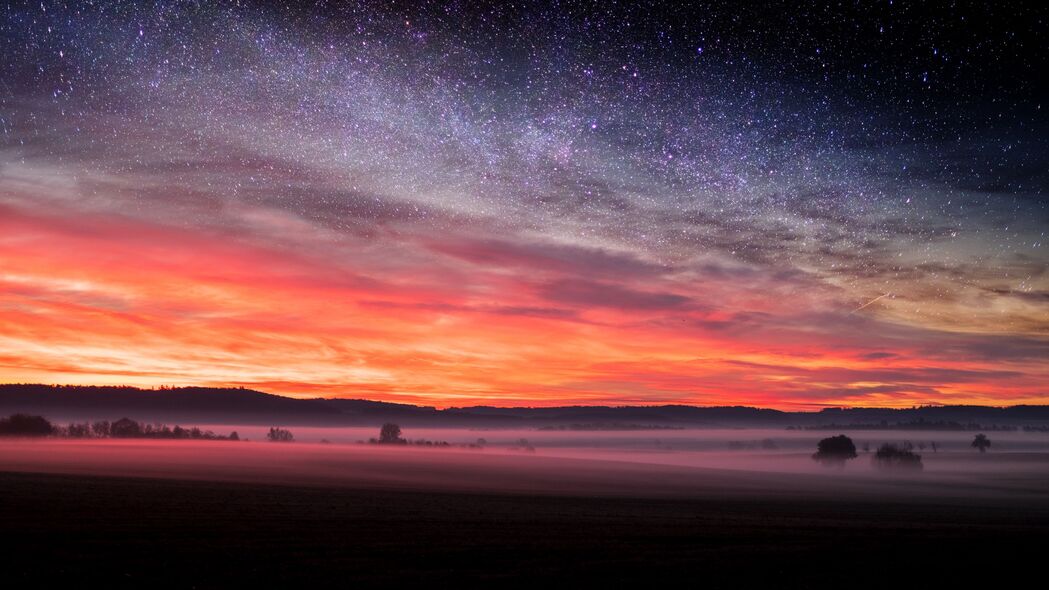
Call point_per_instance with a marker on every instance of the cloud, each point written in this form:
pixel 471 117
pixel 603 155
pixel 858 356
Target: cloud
pixel 877 356
pixel 499 310
pixel 549 258
pixel 597 294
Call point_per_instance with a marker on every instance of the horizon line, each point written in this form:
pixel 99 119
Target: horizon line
pixel 513 407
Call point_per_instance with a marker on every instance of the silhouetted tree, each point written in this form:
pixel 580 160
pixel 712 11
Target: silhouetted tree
pixel 100 428
pixel 835 451
pixel 981 442
pixel 125 428
pixel 279 435
pixel 390 434
pixel 75 430
pixel 25 425
pixel 234 436
pixel 891 458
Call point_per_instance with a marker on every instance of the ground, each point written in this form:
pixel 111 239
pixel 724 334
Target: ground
pixel 80 530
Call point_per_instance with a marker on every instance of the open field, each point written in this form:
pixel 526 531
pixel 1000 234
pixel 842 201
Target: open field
pixel 170 533
pixel 955 476
pixel 210 514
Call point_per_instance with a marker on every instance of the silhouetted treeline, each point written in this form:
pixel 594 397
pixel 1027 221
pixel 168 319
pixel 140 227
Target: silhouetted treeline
pixel 29 425
pixel 422 442
pixel 128 428
pixel 25 425
pixel 390 434
pixel 765 444
pixel 280 435
pixel 920 425
pixel 606 426
pixel 231 405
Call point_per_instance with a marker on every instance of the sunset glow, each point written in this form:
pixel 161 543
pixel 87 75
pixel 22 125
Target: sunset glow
pixel 281 208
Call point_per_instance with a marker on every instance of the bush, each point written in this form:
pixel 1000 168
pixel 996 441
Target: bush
pixel 835 451
pixel 891 458
pixel 280 435
pixel 981 443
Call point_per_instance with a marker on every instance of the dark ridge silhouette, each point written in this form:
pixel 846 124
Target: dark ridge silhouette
pixel 943 425
pixel 246 406
pixel 607 427
pixel 923 417
pixel 693 415
pixel 180 404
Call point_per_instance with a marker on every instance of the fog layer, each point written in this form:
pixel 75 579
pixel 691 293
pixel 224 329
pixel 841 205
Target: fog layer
pixel 639 464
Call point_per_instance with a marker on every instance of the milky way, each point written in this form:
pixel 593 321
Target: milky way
pixel 533 203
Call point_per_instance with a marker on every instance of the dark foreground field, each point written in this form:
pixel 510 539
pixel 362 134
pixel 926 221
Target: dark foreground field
pixel 70 531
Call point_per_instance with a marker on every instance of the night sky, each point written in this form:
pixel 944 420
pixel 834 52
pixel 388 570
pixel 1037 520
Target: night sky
pixel 792 206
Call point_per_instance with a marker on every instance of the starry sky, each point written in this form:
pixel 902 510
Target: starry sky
pixel 792 205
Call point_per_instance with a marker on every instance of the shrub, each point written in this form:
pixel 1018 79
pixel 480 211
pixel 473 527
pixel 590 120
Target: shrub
pixel 891 458
pixel 835 451
pixel 280 435
pixel 981 443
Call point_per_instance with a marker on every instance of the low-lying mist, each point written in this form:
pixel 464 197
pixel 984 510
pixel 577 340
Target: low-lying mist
pixel 689 463
pixel 661 440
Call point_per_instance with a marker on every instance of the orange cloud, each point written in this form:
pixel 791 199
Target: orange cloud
pixel 92 298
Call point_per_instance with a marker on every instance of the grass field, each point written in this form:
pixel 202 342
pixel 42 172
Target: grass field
pixel 61 530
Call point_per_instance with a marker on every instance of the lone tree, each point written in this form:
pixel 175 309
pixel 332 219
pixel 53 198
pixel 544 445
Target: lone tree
pixel 25 425
pixel 390 434
pixel 835 451
pixel 981 442
pixel 280 435
pixel 891 458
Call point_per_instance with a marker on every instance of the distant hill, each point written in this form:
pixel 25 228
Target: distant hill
pixel 246 406
pixel 182 404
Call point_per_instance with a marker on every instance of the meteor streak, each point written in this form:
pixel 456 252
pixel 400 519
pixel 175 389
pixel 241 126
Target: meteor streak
pixel 871 302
